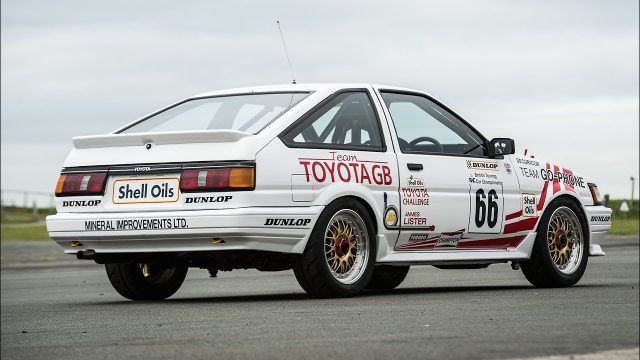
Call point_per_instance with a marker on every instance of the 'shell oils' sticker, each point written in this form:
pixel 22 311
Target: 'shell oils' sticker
pixel 529 205
pixel 151 190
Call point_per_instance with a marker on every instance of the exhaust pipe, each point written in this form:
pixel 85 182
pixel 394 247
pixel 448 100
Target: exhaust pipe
pixel 86 255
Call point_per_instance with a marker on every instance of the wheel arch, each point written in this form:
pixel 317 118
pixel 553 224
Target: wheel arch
pixel 571 198
pixel 582 213
pixel 367 207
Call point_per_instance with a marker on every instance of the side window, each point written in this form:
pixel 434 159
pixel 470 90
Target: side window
pixel 423 126
pixel 347 121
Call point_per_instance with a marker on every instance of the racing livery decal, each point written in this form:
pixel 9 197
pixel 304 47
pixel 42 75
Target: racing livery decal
pixel 390 215
pixel 482 165
pixel 68 203
pixel 457 240
pixel 135 224
pixel 415 200
pixel 418 237
pixel 557 176
pixel 449 240
pixel 346 168
pixel 207 199
pixel 529 205
pixel 287 222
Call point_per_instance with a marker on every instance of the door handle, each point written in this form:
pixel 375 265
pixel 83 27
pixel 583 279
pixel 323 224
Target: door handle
pixel 414 167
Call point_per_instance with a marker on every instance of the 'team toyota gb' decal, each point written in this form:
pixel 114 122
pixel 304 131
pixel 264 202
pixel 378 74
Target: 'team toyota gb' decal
pixel 346 168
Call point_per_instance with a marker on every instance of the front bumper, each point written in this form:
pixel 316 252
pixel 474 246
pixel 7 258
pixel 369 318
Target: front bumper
pixel 599 219
pixel 180 231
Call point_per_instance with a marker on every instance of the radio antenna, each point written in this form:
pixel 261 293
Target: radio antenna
pixel 284 44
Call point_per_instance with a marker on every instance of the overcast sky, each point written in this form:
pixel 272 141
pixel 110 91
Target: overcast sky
pixel 560 77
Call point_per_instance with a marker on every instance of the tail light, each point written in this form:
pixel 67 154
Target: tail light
pixel 81 184
pixel 217 179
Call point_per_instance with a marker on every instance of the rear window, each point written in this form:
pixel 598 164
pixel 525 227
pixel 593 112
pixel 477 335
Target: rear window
pixel 249 113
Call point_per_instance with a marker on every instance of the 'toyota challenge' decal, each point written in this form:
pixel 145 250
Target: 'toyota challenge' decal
pixel 346 168
pixel 415 198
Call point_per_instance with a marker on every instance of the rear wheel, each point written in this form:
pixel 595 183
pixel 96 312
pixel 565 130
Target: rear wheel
pixel 146 281
pixel 387 277
pixel 340 254
pixel 559 255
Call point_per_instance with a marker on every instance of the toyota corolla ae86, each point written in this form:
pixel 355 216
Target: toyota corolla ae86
pixel 347 184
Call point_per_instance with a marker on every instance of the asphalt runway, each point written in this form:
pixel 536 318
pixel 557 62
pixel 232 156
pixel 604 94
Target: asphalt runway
pixel 56 307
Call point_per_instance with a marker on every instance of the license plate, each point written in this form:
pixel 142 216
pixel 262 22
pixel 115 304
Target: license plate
pixel 140 191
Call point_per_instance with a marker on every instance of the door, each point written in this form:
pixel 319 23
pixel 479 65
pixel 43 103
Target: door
pixel 452 196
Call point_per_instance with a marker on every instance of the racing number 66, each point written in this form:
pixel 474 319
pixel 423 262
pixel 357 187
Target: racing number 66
pixel 486 210
pixel 481 208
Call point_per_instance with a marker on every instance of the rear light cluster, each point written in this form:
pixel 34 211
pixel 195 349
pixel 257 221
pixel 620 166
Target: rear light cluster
pixel 81 184
pixel 217 179
pixel 192 180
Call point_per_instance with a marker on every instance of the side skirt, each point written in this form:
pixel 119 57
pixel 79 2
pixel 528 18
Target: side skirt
pixel 521 252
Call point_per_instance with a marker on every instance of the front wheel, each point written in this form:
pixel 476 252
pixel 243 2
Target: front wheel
pixel 340 255
pixel 146 281
pixel 559 255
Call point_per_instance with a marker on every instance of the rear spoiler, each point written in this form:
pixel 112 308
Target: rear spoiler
pixel 160 138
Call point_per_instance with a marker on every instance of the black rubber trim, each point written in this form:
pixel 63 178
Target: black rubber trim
pixel 84 169
pixel 154 168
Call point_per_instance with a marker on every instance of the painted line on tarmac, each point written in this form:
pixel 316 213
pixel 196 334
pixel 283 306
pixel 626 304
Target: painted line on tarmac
pixel 624 354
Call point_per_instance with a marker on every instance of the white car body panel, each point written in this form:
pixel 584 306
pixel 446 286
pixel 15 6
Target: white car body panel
pixel 434 206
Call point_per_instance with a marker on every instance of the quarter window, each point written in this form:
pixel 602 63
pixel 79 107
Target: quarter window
pixel 348 121
pixel 422 126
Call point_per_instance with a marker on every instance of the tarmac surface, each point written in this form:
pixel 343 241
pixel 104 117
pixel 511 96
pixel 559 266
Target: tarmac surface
pixel 56 307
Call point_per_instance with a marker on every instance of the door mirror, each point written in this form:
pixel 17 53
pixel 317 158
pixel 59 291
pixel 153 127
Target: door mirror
pixel 501 146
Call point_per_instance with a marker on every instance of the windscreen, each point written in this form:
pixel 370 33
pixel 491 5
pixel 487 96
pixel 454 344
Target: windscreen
pixel 249 113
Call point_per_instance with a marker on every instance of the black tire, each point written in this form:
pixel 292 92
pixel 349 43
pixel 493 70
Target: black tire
pixel 130 281
pixel 311 268
pixel 386 277
pixel 540 269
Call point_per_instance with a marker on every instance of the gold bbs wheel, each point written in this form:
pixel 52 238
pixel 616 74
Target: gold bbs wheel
pixel 346 246
pixel 565 240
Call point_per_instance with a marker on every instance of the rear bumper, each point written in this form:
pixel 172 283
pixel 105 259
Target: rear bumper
pixel 180 231
pixel 599 219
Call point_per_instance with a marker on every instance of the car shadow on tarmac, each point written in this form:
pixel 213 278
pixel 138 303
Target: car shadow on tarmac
pixel 306 297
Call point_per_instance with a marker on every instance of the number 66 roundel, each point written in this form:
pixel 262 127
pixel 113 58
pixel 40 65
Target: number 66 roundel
pixel 487 207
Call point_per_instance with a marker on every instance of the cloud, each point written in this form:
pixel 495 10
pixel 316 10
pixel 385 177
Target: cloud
pixel 514 69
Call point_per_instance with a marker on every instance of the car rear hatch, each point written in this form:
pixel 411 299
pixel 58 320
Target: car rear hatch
pixel 158 172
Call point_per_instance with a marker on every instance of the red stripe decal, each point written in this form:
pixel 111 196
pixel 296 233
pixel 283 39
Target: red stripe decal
pixel 543 195
pixel 522 225
pixel 498 243
pixel 568 186
pixel 512 241
pixel 516 214
pixel 556 181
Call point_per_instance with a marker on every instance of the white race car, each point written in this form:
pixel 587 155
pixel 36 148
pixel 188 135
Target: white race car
pixel 346 184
